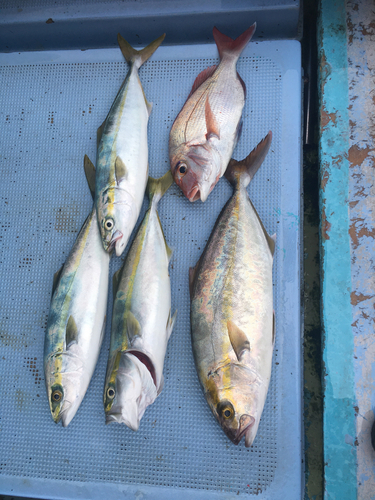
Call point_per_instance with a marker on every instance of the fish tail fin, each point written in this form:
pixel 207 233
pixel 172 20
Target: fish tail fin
pixel 241 172
pixel 156 188
pixel 227 45
pixel 138 57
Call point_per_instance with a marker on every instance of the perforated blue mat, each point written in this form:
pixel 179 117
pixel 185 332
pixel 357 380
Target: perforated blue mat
pixel 50 107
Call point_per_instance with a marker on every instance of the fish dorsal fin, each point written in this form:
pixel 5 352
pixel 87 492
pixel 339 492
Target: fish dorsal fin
pixel 133 328
pixel 138 57
pixel 99 133
pixel 56 279
pixel 239 340
pixel 271 240
pixel 170 323
pixel 115 282
pixel 71 332
pixel 202 77
pixel 120 170
pixel 241 172
pixel 90 174
pixel 213 129
pixel 273 329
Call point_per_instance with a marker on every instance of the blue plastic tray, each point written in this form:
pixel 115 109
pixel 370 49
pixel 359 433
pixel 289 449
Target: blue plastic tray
pixel 51 106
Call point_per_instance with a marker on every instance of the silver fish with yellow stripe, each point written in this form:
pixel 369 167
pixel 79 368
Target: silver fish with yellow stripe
pixel 232 319
pixel 122 156
pixel 141 319
pixel 76 318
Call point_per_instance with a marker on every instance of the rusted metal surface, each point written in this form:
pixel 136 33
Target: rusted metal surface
pixel 335 258
pixel 361 156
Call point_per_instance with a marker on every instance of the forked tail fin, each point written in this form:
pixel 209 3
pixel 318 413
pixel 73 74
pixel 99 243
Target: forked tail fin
pixel 226 45
pixel 138 57
pixel 241 172
pixel 156 188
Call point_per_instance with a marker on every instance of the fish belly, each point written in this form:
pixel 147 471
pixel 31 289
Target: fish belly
pixel 234 282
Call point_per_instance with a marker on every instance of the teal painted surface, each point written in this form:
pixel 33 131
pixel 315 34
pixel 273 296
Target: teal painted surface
pixel 338 345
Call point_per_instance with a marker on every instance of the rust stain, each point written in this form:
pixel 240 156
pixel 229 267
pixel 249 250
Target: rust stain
pixel 356 298
pixel 66 219
pixel 325 180
pixel 352 204
pixel 326 118
pixel 326 226
pixel 357 231
pixel 357 155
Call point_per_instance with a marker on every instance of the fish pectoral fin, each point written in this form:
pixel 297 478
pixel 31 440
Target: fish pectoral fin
pixel 120 170
pixel 71 332
pixel 170 323
pixel 239 340
pixel 90 173
pixel 149 106
pixel 56 279
pixel 161 385
pixel 115 282
pixel 213 129
pixel 133 328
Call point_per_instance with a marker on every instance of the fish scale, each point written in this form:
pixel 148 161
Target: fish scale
pixel 232 309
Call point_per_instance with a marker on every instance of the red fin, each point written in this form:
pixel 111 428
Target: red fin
pixel 225 44
pixel 211 124
pixel 202 77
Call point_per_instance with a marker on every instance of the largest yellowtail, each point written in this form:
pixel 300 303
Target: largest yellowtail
pixel 232 321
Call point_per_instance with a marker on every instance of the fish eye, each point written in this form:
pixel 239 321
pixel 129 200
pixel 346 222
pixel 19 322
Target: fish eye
pixel 182 169
pixel 225 410
pixel 56 396
pixel 110 393
pixel 227 413
pixel 108 225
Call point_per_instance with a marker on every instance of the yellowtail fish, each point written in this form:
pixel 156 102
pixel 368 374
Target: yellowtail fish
pixel 122 156
pixel 141 319
pixel 232 319
pixel 206 131
pixel 76 318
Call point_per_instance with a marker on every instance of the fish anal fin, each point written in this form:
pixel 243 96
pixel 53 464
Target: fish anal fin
pixel 71 332
pixel 201 78
pixel 56 279
pixel 170 323
pixel 90 173
pixel 161 385
pixel 115 282
pixel 271 240
pixel 242 83
pixel 120 170
pixel 213 129
pixel 133 328
pixel 239 340
pixel 273 329
pixel 103 330
pixel 192 271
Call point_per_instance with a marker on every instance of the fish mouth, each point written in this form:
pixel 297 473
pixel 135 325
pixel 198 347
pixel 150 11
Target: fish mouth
pixel 120 419
pixel 194 194
pixel 246 423
pixel 117 235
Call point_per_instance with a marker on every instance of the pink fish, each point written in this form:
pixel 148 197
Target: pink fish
pixel 206 130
